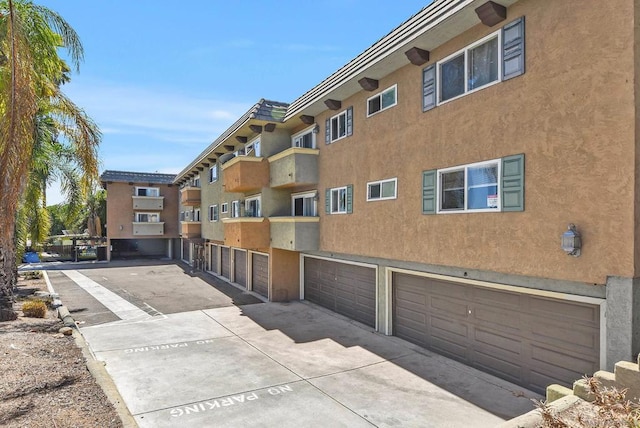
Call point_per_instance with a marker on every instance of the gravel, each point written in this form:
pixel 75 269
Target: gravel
pixel 45 381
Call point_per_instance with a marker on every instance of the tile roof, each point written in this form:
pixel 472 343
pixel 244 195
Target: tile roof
pixel 137 177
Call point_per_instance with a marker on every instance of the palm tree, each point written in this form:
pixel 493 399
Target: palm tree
pixel 30 76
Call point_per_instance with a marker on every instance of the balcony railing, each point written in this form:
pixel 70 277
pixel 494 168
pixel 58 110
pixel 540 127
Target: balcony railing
pixel 295 233
pixel 148 203
pixel 148 228
pixel 294 167
pixel 191 229
pixel 190 196
pixel 246 232
pixel 245 174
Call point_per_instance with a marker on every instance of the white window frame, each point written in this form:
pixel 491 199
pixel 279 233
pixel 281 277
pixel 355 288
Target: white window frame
pixel 253 147
pixel 465 209
pixel 214 215
pixel 248 201
pixel 299 135
pixel 150 214
pixel 196 215
pixel 213 176
pixel 235 209
pixel 306 195
pixel 195 181
pixel 224 208
pixel 336 210
pixel 465 51
pixel 337 117
pixel 381 182
pixel 157 190
pixel 379 95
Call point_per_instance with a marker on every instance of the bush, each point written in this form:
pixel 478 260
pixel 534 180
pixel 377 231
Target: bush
pixel 32 274
pixel 34 309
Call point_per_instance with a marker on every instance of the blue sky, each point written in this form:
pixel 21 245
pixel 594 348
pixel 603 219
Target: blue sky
pixel 164 79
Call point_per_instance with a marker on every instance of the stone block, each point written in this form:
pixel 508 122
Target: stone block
pixel 628 376
pixel 581 389
pixel 555 392
pixel 606 379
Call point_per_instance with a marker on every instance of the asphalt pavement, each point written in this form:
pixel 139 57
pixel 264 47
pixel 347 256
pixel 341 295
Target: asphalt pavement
pixel 189 349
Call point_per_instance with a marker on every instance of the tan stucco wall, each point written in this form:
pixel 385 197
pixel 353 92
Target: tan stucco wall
pixel 572 114
pixel 120 210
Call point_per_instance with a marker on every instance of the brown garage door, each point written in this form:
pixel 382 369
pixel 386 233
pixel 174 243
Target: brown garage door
pixel 347 289
pixel 240 267
pixel 260 274
pixel 527 339
pixel 225 262
pixel 213 258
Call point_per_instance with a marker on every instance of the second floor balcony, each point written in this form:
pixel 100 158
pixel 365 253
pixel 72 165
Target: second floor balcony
pixel 148 228
pixel 295 233
pixel 190 196
pixel 190 229
pixel 296 166
pixel 245 174
pixel 246 232
pixel 148 203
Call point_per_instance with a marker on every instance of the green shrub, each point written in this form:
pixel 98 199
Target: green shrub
pixel 33 274
pixel 34 309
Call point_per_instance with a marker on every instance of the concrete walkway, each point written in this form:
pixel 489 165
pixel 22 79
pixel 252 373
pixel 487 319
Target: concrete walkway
pixel 289 365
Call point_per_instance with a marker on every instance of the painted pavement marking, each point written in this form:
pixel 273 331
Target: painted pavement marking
pixel 120 307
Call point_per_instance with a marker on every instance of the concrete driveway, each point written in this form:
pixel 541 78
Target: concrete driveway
pixel 235 361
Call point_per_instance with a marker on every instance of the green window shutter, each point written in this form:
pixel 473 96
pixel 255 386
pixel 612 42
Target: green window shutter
pixel 429 88
pixel 429 186
pixel 327 131
pixel 327 201
pixel 513 183
pixel 350 198
pixel 513 49
pixel 350 121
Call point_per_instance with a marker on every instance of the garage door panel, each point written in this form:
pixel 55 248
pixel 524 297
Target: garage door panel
pixel 555 309
pixel 344 288
pixel 240 267
pixel 225 261
pixel 451 307
pixel 528 339
pixel 260 274
pixel 497 298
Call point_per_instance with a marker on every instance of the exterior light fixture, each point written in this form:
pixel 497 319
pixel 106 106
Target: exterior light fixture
pixel 572 241
pixel 316 129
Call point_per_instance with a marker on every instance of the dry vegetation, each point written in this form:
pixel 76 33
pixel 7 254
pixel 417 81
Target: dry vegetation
pixel 45 381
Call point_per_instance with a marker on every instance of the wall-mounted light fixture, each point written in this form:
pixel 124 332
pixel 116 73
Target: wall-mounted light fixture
pixel 121 227
pixel 316 129
pixel 572 241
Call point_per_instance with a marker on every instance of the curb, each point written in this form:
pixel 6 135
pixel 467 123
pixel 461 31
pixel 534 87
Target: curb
pixel 534 419
pixel 95 367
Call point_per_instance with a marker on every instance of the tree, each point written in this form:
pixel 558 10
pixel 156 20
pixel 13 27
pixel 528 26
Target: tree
pixel 30 75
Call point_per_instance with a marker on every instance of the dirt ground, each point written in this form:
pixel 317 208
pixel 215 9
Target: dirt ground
pixel 45 381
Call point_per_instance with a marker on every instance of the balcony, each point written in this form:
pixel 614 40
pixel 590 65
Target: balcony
pixel 294 167
pixel 148 228
pixel 295 233
pixel 190 196
pixel 245 174
pixel 190 229
pixel 148 203
pixel 246 232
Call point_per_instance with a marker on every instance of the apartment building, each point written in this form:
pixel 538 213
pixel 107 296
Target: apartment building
pixel 467 183
pixel 142 214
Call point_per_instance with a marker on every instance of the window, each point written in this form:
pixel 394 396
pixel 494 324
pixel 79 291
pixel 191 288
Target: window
pixel 196 214
pixel 495 185
pixel 339 200
pixel 380 190
pixel 235 209
pixel 253 149
pixel 195 181
pixel 339 126
pixel 497 57
pixel 224 208
pixel 383 100
pixel 147 191
pixel 213 213
pixel 213 174
pixel 304 205
pixel 252 207
pixel 305 139
pixel 147 217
